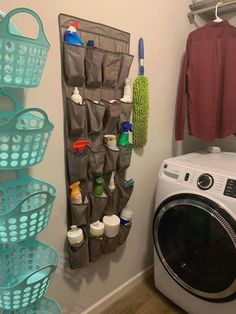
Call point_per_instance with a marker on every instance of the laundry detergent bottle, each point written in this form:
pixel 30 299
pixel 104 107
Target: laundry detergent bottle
pixel 71 36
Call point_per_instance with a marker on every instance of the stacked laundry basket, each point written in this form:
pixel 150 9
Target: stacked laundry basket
pixel 26 265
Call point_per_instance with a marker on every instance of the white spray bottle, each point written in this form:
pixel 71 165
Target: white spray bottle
pixel 76 97
pixel 128 96
pixel 111 185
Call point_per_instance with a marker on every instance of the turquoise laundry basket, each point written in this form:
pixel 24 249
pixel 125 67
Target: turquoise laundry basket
pixel 43 306
pixel 24 135
pixel 22 58
pixel 25 208
pixel 26 270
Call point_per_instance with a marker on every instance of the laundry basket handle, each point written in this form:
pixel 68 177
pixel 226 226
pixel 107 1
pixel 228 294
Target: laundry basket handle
pixel 8 93
pixel 4 26
pixel 11 125
pixel 49 198
pixel 51 270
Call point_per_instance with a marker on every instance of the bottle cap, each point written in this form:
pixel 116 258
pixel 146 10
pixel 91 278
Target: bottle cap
pixel 75 235
pixel 97 229
pixel 90 43
pixel 126 214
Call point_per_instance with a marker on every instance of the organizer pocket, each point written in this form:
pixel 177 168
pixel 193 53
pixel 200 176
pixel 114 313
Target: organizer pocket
pixel 110 244
pixel 112 203
pixel 124 232
pixel 124 157
pixel 98 205
pixel 111 157
pixel 124 195
pixel 93 67
pixel 77 165
pixel 74 64
pixel 79 256
pixel 111 69
pixel 77 120
pixel 126 109
pixel 96 162
pixel 79 213
pixel 111 116
pixel 95 113
pixel 126 62
pixel 96 248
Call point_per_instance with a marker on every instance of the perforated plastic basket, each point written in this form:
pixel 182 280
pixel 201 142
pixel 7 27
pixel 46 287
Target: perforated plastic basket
pixel 25 207
pixel 26 270
pixel 43 306
pixel 22 58
pixel 23 138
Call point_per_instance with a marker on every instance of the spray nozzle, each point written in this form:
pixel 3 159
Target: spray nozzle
pixel 80 145
pixel 126 126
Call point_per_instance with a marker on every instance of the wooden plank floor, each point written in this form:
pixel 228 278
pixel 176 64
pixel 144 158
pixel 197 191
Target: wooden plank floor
pixel 143 299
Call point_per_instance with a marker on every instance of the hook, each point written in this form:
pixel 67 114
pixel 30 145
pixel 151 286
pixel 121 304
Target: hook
pixel 216 11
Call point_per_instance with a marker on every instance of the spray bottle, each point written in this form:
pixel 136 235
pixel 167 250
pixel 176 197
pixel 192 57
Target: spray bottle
pixel 76 195
pixel 76 97
pixel 128 95
pixel 80 146
pixel 98 189
pixel 71 36
pixel 124 138
pixel 111 185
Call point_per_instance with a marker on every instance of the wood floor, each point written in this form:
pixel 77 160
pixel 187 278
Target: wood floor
pixel 143 299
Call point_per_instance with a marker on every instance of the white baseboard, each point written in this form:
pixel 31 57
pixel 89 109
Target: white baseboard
pixel 118 292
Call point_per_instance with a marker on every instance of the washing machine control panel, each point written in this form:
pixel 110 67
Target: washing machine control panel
pixel 230 188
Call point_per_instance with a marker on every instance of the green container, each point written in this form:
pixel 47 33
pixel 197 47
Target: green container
pixel 26 271
pixel 43 306
pixel 22 58
pixel 24 136
pixel 25 208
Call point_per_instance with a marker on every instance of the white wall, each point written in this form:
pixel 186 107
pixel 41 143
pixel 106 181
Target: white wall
pixel 164 27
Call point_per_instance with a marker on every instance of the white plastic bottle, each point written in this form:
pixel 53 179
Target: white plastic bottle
pixel 76 97
pixel 75 236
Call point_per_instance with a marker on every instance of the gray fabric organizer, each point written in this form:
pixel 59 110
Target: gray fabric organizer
pixel 100 75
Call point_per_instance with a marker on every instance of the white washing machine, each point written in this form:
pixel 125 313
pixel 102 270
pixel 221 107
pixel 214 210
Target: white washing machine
pixel 194 232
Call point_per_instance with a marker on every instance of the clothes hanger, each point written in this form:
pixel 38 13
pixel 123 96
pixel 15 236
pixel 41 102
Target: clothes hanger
pixel 218 19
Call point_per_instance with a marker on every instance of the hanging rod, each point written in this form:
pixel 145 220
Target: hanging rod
pixel 204 10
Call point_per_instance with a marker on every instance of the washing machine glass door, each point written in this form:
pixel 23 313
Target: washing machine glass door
pixel 196 240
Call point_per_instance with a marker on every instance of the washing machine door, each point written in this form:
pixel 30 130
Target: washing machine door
pixel 195 240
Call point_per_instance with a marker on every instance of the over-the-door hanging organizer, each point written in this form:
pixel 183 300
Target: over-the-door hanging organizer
pixel 100 73
pixel 26 265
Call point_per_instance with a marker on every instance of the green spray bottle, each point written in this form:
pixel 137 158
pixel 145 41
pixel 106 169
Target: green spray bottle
pixel 124 138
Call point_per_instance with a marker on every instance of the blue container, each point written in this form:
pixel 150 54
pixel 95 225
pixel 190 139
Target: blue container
pixel 43 306
pixel 24 135
pixel 26 271
pixel 25 208
pixel 23 58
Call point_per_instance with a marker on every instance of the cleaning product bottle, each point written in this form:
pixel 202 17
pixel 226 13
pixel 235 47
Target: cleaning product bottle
pixel 111 185
pixel 128 95
pixel 71 36
pixel 75 236
pixel 124 138
pixel 76 97
pixel 126 216
pixel 98 189
pixel 96 229
pixel 76 195
pixel 110 142
pixel 80 146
